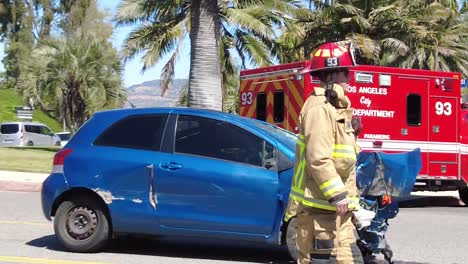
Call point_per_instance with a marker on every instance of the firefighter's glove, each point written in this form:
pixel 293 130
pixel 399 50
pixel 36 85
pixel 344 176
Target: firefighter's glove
pixel 364 217
pixel 342 206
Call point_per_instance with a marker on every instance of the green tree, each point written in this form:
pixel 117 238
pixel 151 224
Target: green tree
pixel 77 74
pixel 19 38
pixel 421 34
pixel 46 11
pixel 219 33
pixel 72 14
pixel 73 78
pixel 431 36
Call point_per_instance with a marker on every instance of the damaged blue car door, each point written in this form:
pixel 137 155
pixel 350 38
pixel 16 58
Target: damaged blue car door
pixel 127 152
pixel 220 179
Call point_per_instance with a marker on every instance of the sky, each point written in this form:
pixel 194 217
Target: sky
pixel 132 72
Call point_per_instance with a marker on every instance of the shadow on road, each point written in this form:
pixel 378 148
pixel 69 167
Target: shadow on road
pixel 184 248
pixel 48 242
pixel 430 201
pixel 374 260
pixel 194 249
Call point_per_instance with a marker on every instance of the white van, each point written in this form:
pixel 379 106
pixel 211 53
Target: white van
pixel 64 137
pixel 27 134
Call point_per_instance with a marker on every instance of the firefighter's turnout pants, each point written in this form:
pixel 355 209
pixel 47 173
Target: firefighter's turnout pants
pixel 324 175
pixel 326 238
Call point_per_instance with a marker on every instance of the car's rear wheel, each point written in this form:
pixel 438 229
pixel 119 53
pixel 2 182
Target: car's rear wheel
pixel 464 195
pixel 82 225
pixel 30 144
pixel 291 236
pixel 58 143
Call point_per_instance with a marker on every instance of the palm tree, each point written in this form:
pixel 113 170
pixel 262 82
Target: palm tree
pixel 73 78
pixel 333 21
pixel 432 36
pixel 205 90
pixel 230 96
pixel 220 32
pixel 425 34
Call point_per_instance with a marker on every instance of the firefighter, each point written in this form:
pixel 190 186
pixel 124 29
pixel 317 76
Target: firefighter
pixel 324 191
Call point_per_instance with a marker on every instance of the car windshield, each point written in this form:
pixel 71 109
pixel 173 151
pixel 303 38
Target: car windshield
pixel 287 138
pixel 9 129
pixel 64 137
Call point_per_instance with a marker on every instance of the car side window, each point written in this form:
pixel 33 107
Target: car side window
pixel 45 131
pixel 32 129
pixel 135 132
pixel 221 140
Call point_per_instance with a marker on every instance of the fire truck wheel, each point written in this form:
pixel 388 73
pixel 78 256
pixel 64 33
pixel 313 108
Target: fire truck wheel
pixel 464 195
pixel 291 235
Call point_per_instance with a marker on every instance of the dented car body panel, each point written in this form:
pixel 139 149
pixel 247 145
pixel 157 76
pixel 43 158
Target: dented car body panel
pixel 52 188
pixel 236 192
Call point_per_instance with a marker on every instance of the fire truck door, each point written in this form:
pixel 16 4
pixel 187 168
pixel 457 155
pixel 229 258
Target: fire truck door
pixel 443 134
pixel 414 132
pixel 294 102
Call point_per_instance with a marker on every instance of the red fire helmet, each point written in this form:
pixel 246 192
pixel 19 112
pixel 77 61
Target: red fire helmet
pixel 330 56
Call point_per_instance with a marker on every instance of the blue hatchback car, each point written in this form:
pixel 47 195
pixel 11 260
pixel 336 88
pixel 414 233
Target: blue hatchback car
pixel 171 171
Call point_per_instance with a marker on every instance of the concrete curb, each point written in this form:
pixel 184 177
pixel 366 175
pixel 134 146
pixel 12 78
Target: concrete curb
pixel 20 186
pixel 21 181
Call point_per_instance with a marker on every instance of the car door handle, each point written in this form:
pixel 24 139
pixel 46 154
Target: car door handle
pixel 170 166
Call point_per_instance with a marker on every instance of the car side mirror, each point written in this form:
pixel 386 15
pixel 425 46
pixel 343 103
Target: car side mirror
pixel 271 163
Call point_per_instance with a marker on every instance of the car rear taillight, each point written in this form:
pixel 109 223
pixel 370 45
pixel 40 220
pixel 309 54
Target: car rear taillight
pixel 59 160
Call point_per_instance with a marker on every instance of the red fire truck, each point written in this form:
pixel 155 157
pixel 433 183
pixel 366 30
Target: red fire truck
pixel 401 109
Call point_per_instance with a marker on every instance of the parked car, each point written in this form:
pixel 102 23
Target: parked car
pixel 27 134
pixel 64 137
pixel 171 171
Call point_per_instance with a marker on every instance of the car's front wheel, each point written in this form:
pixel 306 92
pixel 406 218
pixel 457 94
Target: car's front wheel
pixel 81 225
pixel 291 236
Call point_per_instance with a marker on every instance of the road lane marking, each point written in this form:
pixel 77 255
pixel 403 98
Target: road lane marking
pixel 12 259
pixel 23 223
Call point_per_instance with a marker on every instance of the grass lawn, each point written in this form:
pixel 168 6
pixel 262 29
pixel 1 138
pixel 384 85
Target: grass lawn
pixel 9 99
pixel 28 159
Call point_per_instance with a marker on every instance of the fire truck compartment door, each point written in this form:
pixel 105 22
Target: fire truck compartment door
pixel 443 133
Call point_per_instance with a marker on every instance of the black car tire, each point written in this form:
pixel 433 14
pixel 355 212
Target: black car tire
pixel 464 195
pixel 58 143
pixel 30 144
pixel 291 236
pixel 81 225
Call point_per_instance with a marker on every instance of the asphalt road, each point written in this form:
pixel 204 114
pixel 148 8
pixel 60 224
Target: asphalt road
pixel 427 230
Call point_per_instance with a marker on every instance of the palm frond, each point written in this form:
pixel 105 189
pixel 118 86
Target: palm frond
pixel 155 40
pixel 395 45
pixel 130 12
pixel 258 52
pixel 253 19
pixel 168 72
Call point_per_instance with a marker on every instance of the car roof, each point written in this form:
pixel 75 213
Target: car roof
pixel 25 123
pixel 246 121
pixel 168 110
